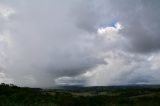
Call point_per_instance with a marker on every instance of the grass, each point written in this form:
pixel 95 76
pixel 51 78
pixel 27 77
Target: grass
pixel 11 95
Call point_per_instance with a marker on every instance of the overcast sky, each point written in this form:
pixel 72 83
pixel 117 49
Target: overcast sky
pixel 46 43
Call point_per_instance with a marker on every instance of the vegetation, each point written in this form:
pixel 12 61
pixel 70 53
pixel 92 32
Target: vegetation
pixel 11 95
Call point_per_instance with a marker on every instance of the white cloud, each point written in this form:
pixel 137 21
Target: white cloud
pixel 110 29
pixel 155 61
pixel 5 42
pixel 121 67
pixel 5 79
pixel 6 11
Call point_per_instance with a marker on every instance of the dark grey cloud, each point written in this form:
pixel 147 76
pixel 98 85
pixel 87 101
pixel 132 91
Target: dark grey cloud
pixel 51 42
pixel 141 25
pixel 140 20
pixel 46 44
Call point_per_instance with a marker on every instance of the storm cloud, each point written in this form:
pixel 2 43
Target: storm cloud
pixel 78 42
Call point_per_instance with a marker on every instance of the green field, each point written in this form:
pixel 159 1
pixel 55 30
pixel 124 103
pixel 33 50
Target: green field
pixel 11 95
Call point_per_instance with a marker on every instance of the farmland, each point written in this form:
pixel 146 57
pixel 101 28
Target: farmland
pixel 11 95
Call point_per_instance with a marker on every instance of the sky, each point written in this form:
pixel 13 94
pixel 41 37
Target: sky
pixel 46 43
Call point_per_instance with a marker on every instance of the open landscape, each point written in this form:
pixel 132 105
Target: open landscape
pixel 135 95
pixel 79 52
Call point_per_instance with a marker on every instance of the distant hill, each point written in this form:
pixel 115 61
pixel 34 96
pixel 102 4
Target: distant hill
pixel 103 88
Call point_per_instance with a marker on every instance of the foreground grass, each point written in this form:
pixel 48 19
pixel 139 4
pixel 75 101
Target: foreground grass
pixel 11 95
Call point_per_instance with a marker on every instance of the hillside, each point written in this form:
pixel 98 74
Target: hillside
pixel 11 95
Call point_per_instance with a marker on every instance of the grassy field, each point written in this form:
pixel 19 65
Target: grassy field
pixel 11 95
